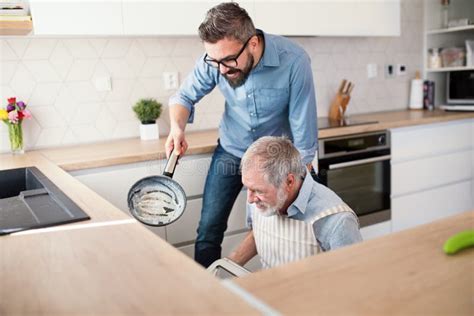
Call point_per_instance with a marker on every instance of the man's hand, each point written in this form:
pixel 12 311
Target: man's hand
pixel 176 141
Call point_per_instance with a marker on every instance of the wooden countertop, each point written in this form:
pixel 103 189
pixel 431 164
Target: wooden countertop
pixel 113 265
pixel 404 273
pixel 110 265
pixel 107 270
pixel 133 150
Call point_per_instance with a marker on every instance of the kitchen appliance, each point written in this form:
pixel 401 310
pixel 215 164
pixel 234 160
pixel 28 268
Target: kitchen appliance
pixel 158 200
pixel 28 200
pixel 460 91
pixel 357 168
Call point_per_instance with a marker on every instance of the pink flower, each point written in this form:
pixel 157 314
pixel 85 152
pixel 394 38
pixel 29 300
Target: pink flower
pixel 13 117
pixel 26 114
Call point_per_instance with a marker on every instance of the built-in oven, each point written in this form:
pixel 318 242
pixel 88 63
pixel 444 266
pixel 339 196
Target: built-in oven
pixel 357 168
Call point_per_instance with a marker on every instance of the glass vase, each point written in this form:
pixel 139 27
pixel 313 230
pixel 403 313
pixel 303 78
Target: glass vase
pixel 15 134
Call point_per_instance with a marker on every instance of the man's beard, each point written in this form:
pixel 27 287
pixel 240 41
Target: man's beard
pixel 270 210
pixel 243 74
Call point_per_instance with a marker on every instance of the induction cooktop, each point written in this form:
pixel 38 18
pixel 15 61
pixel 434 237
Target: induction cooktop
pixel 326 122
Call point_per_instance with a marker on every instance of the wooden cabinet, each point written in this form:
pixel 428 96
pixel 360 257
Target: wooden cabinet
pixel 15 27
pixel 432 172
pixel 329 18
pixel 72 17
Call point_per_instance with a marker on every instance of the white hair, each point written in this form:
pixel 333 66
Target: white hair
pixel 275 157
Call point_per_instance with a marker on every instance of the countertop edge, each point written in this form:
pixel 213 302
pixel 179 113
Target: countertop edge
pixel 204 142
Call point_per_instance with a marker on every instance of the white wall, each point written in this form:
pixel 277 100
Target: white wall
pixel 55 76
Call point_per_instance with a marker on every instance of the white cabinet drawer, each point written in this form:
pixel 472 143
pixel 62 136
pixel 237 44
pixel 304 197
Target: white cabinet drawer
pixel 184 229
pixel 228 245
pixel 191 173
pixel 429 140
pixel 329 18
pixel 422 174
pixel 74 17
pixel 376 230
pixel 113 183
pixel 424 207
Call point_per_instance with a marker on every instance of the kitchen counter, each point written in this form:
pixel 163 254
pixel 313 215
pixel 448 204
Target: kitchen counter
pixel 110 265
pixel 403 273
pixel 113 265
pixel 133 150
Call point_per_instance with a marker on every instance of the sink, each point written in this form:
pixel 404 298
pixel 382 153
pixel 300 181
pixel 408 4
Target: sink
pixel 28 199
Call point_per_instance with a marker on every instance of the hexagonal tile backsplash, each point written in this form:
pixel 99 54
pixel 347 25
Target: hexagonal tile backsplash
pixel 56 76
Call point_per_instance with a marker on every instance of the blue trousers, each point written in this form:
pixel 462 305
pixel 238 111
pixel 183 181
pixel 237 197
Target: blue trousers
pixel 223 184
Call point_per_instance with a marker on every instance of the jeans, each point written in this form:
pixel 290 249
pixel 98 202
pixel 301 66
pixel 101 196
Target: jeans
pixel 223 184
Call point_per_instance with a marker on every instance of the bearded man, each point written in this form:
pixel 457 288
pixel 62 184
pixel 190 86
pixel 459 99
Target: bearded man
pixel 291 216
pixel 268 87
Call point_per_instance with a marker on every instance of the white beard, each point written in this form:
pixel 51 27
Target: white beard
pixel 271 210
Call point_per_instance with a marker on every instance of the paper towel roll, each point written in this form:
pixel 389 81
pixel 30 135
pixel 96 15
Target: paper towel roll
pixel 416 94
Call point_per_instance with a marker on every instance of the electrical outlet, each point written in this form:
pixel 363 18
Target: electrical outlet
pixel 389 71
pixel 171 80
pixel 401 69
pixel 371 71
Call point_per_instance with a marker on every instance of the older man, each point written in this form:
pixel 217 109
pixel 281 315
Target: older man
pixel 290 214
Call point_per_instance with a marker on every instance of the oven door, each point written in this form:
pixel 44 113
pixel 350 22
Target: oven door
pixel 363 181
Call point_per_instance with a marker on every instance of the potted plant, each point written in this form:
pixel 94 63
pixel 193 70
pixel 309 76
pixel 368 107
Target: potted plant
pixel 148 111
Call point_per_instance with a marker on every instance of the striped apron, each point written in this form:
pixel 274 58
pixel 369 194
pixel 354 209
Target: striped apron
pixel 280 239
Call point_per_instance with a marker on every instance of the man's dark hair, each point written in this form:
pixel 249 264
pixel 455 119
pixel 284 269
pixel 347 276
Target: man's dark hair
pixel 226 20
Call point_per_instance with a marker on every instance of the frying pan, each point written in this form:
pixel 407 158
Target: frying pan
pixel 158 200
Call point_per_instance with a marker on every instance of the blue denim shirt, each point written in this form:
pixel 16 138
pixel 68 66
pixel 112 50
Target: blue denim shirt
pixel 278 98
pixel 332 232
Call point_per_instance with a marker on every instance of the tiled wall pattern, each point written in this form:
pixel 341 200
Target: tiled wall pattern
pixel 56 76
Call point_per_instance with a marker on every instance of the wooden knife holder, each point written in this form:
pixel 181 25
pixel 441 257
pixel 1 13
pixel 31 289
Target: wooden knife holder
pixel 341 100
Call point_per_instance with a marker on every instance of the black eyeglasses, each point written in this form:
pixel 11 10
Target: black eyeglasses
pixel 228 62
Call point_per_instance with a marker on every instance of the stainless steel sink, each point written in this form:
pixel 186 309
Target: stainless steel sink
pixel 28 199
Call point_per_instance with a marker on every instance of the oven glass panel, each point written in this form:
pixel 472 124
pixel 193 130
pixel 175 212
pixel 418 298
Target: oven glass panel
pixel 365 188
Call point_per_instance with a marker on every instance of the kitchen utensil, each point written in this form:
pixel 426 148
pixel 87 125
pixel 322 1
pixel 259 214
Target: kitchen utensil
pixel 339 104
pixel 158 200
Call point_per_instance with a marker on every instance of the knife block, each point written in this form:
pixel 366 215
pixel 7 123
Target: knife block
pixel 338 106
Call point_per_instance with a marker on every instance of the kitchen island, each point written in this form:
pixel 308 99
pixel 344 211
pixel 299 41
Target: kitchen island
pixel 405 273
pixel 109 265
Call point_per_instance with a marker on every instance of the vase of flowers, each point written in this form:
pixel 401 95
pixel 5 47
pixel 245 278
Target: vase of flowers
pixel 13 115
pixel 148 111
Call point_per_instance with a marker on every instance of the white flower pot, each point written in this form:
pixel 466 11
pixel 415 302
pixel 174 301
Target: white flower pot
pixel 149 131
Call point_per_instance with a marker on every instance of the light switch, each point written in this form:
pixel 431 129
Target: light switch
pixel 171 80
pixel 103 83
pixel 371 71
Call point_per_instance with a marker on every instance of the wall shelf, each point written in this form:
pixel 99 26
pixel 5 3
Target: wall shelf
pixel 15 27
pixel 452 29
pixel 445 69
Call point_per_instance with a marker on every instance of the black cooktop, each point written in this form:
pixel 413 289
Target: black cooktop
pixel 326 122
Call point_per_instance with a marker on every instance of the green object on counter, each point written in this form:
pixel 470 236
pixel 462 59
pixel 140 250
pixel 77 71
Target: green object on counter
pixel 459 241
